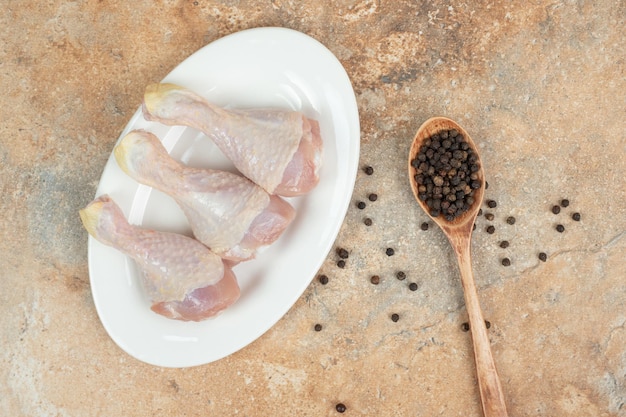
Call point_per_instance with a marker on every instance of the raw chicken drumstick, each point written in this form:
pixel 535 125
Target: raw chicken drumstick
pixel 280 150
pixel 182 277
pixel 227 212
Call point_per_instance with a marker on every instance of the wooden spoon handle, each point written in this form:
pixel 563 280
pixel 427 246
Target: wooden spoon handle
pixel 491 393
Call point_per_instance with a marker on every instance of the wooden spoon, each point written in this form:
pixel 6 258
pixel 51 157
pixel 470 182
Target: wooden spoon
pixel 459 233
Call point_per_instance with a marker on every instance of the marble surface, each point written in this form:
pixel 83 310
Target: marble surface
pixel 539 85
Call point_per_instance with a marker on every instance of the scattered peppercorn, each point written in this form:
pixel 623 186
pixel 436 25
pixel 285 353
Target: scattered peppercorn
pixel 343 254
pixel 400 275
pixel 340 408
pixel 489 216
pixel 424 226
pixel 504 244
pixel 360 205
pixel 490 229
pixel 375 279
pixel 487 324
pixel 367 221
pixel 318 327
pixel 446 172
pixel 556 209
pixel 395 317
pixel 465 327
pixel 560 228
pixel 341 263
pixel 390 252
pixel 510 220
pixel 506 262
pixel 480 212
pixel 543 257
pixel 368 170
pixel 492 204
pixel 576 217
pixel 564 202
pixel 323 279
pixel 372 197
pixel 413 286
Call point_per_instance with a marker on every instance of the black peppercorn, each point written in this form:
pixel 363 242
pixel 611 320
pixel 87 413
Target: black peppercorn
pixel 390 251
pixel 375 279
pixel 367 221
pixel 323 279
pixel 360 205
pixel 576 217
pixel 492 204
pixel 341 263
pixel 510 220
pixel 543 257
pixel 318 327
pixel 506 262
pixel 560 228
pixel 564 202
pixel 424 226
pixel 372 197
pixel 447 174
pixel 504 244
pixel 340 408
pixel 400 275
pixel 343 254
pixel 413 286
pixel 489 216
pixel 556 209
pixel 487 324
pixel 368 170
pixel 490 229
pixel 480 212
pixel 465 327
pixel 395 317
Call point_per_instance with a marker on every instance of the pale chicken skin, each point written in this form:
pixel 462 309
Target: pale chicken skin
pixel 228 213
pixel 182 277
pixel 280 150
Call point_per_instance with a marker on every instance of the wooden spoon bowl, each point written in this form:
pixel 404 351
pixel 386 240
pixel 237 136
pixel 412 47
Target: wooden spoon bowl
pixel 459 233
pixel 429 128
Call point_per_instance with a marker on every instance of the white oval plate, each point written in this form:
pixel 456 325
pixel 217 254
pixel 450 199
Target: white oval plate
pixel 259 67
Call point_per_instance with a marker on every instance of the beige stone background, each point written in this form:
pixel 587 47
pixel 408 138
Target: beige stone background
pixel 540 85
